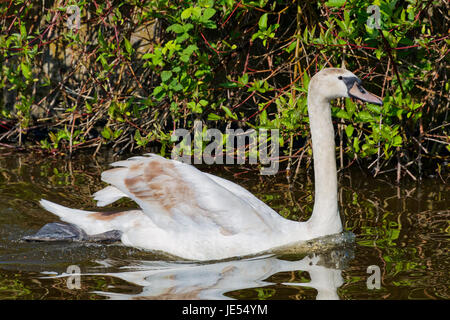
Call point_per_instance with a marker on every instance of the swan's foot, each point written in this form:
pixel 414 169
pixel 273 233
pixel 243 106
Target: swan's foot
pixel 57 231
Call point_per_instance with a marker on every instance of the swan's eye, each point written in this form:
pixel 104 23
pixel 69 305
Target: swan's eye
pixel 340 77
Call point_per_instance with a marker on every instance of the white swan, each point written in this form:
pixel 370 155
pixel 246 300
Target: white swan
pixel 195 215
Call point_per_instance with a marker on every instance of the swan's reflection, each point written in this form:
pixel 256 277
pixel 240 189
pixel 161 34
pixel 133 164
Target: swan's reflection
pixel 179 280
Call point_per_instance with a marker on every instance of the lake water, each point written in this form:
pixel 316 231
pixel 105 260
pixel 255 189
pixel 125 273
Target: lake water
pixel 400 250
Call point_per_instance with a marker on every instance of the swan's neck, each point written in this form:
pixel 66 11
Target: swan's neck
pixel 325 218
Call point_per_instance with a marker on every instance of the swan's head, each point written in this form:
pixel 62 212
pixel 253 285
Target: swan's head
pixel 332 83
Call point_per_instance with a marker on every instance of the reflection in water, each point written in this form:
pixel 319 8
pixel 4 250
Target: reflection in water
pixel 182 280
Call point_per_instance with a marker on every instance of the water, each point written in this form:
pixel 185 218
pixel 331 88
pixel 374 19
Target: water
pixel 401 231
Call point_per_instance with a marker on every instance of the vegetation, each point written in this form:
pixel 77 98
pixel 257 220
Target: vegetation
pixel 133 71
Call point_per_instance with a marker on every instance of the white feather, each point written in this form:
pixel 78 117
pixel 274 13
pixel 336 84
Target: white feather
pixel 108 195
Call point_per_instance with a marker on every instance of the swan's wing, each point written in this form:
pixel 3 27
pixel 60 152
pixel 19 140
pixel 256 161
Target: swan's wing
pixel 245 195
pixel 108 195
pixel 179 197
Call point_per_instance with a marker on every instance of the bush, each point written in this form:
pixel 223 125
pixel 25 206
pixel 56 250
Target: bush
pixel 136 70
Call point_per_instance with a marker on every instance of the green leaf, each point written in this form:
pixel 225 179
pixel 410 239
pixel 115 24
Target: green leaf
pixel 263 117
pixel 373 108
pixel 305 80
pixel 186 13
pixel 208 13
pixel 117 133
pixel 365 116
pixel 128 46
pixel 397 141
pixel 103 61
pixel 335 3
pixel 196 12
pixel 347 18
pixel 291 47
pixel 201 73
pixel 195 107
pixel 182 37
pixel 263 22
pixel 176 86
pixel 106 133
pixel 188 26
pixel 349 130
pixel 214 117
pixel 244 79
pixel 378 53
pixel 342 114
pixel 166 75
pixel 177 28
pixel 159 93
pixel 23 31
pixel 229 113
pixel 229 85
pixel 356 144
pixel 350 106
pixel 88 107
pixel 209 24
pixel 341 25
pixel 186 54
pixel 26 70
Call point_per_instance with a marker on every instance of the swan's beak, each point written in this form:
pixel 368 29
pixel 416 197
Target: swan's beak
pixel 358 92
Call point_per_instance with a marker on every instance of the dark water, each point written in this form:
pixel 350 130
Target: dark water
pixel 401 231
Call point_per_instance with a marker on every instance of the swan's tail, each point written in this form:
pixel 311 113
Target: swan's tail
pixel 77 217
pixel 61 211
pixel 94 222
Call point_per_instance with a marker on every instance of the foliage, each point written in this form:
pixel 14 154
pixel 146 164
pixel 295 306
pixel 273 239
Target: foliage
pixel 136 70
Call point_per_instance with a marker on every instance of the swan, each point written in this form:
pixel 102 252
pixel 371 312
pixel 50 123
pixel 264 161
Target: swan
pixel 198 216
